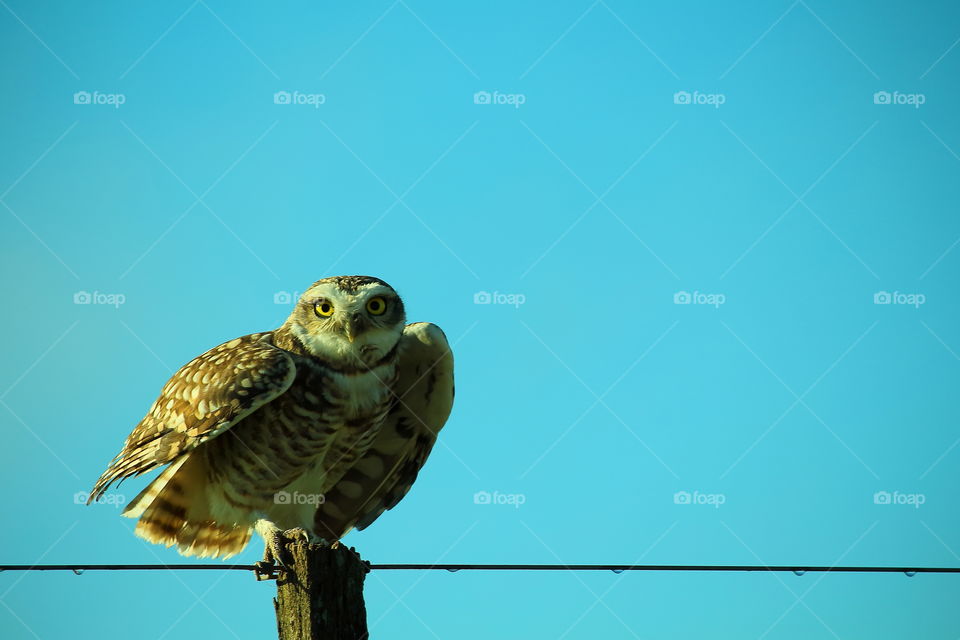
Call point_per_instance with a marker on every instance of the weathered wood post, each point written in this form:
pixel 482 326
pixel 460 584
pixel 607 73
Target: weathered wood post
pixel 320 597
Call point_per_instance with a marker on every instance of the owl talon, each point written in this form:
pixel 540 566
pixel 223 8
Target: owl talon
pixel 298 534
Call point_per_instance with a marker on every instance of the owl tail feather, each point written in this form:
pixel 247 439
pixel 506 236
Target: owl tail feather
pixel 174 510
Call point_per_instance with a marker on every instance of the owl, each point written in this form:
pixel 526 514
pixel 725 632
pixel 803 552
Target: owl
pixel 309 430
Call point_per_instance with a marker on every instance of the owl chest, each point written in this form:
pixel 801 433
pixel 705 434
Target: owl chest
pixel 320 401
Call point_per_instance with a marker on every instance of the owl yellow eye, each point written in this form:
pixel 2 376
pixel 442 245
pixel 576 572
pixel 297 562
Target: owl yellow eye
pixel 376 306
pixel 323 308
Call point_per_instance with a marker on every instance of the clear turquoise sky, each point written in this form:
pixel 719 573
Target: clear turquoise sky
pixel 790 170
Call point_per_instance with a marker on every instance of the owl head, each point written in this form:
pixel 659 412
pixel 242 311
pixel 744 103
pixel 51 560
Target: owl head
pixel 351 320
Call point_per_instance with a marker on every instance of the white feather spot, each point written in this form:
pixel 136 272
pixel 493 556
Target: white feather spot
pixel 370 466
pixel 350 489
pixel 333 510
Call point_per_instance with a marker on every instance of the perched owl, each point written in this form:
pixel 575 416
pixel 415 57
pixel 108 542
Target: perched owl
pixel 318 426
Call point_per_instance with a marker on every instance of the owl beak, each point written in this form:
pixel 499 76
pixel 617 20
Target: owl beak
pixel 353 326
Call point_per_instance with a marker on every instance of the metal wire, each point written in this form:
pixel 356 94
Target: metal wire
pixel 616 568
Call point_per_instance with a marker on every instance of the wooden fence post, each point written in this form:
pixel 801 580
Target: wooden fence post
pixel 321 596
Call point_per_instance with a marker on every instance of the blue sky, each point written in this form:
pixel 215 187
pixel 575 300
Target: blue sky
pixel 719 245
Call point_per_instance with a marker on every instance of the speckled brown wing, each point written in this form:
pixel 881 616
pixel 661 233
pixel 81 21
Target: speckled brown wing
pixel 204 398
pixel 383 476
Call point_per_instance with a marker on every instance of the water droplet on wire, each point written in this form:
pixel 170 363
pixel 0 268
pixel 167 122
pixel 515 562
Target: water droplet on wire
pixel 78 572
pixel 617 571
pixel 453 570
pixel 799 572
pixel 909 574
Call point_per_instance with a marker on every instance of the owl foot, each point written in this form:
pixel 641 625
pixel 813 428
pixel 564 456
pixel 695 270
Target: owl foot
pixel 274 552
pixel 273 539
pixel 272 560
